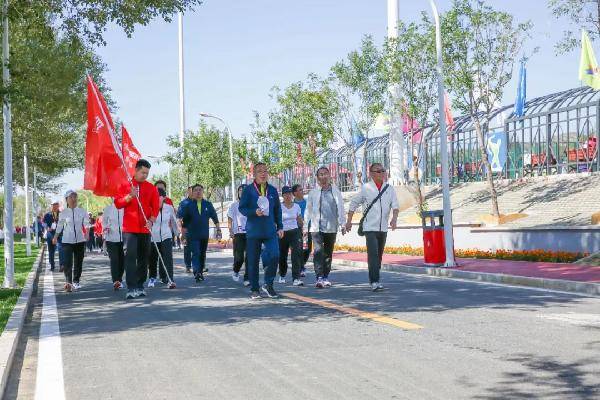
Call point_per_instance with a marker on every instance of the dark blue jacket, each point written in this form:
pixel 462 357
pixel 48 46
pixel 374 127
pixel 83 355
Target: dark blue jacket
pixel 48 221
pixel 195 223
pixel 260 227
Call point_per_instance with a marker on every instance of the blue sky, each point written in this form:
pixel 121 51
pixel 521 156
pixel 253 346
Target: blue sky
pixel 236 50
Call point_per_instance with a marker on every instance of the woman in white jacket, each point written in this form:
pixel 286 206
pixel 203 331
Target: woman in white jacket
pixel 163 231
pixel 71 223
pixel 375 224
pixel 112 225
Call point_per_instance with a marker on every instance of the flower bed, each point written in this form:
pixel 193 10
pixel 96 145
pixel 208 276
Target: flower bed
pixel 515 255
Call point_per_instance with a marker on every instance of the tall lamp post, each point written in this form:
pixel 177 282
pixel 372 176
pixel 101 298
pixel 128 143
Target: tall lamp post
pixel 26 175
pixel 207 115
pixel 448 228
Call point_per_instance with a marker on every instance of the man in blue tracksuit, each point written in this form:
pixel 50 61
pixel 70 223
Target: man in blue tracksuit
pixel 187 255
pixel 195 215
pixel 260 204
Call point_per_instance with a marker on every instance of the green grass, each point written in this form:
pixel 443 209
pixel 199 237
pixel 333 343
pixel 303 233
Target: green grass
pixel 23 264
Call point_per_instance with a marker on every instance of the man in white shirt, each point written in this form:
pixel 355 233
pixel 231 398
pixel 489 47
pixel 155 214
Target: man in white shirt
pixel 377 199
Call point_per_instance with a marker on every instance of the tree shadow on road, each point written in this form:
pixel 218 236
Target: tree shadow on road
pixel 546 378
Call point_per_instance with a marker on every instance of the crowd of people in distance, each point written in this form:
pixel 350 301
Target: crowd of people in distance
pixel 141 227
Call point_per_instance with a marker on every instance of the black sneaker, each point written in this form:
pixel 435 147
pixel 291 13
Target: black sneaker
pixel 254 295
pixel 205 269
pixel 199 277
pixel 141 293
pixel 269 291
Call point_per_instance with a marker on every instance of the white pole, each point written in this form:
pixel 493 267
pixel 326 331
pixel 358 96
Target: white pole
pixel 9 275
pixel 169 180
pixel 181 83
pixel 396 146
pixel 448 228
pixel 207 115
pixel 26 174
pixel 34 208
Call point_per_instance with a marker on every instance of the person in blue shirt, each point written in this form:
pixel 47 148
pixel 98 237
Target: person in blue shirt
pixel 51 222
pixel 260 204
pixel 195 215
pixel 187 255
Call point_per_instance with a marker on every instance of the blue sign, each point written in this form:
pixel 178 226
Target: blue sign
pixel 497 150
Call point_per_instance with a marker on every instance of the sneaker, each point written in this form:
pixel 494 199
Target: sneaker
pixel 172 285
pixel 319 283
pixel 298 282
pixel 375 286
pixel 235 276
pixel 246 283
pixel 379 286
pixel 326 283
pixel 117 285
pixel 141 293
pixel 205 269
pixel 131 294
pixel 303 273
pixel 76 286
pixel 151 282
pixel 281 279
pixel 199 277
pixel 269 291
pixel 254 295
pixel 68 287
pixel 188 270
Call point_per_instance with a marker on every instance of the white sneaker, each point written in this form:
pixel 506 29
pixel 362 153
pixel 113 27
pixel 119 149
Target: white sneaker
pixel 326 282
pixel 375 286
pixel 281 279
pixel 76 286
pixel 298 282
pixel 246 283
pixel 151 282
pixel 379 286
pixel 235 276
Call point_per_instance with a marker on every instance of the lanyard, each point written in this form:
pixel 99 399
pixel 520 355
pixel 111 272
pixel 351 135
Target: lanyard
pixel 262 191
pixel 199 205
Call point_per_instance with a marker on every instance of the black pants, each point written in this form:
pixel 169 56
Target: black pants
pixel 323 243
pixel 51 250
pixel 375 246
pixel 291 239
pixel 166 252
pixel 307 250
pixel 91 243
pixel 73 253
pixel 137 254
pixel 116 256
pixel 240 257
pixel 99 242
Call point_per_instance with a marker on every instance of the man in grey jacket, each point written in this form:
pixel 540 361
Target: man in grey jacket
pixel 325 216
pixel 375 224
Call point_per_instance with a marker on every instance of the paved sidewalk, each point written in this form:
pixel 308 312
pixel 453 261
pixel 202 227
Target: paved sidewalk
pixel 547 270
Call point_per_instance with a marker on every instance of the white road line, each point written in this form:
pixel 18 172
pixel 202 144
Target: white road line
pixel 50 381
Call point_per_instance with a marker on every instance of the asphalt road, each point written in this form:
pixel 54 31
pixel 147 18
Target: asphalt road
pixel 210 341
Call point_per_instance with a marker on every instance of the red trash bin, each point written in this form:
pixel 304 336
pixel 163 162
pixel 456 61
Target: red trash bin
pixel 434 248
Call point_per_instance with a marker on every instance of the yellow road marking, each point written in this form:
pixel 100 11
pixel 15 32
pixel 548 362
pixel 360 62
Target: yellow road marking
pixel 355 312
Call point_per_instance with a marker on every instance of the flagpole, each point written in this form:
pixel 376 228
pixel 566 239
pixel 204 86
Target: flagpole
pixel 119 152
pixel 448 227
pixel 181 82
pixel 34 208
pixel 9 275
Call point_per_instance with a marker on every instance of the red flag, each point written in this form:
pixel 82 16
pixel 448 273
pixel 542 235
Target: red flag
pixel 131 155
pixel 448 112
pixel 103 156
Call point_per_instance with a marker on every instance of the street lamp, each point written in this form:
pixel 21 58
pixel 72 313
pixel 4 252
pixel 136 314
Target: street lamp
pixel 207 115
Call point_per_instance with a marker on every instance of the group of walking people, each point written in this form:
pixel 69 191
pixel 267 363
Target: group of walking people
pixel 141 225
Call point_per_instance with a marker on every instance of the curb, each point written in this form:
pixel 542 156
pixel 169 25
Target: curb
pixel 14 327
pixel 586 288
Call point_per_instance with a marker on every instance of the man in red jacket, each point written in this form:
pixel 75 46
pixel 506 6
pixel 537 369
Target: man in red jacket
pixel 137 225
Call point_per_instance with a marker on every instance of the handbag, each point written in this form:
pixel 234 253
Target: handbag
pixel 360 224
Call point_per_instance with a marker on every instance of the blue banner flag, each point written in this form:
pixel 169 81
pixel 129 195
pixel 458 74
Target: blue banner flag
pixel 521 91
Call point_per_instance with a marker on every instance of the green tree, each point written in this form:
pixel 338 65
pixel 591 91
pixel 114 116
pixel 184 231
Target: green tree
pixel 579 13
pixel 362 73
pixel 302 122
pixel 480 48
pixel 204 158
pixel 91 202
pixel 410 69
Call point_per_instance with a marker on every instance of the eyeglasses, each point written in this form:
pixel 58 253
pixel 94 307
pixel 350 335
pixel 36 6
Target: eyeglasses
pixel 379 171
